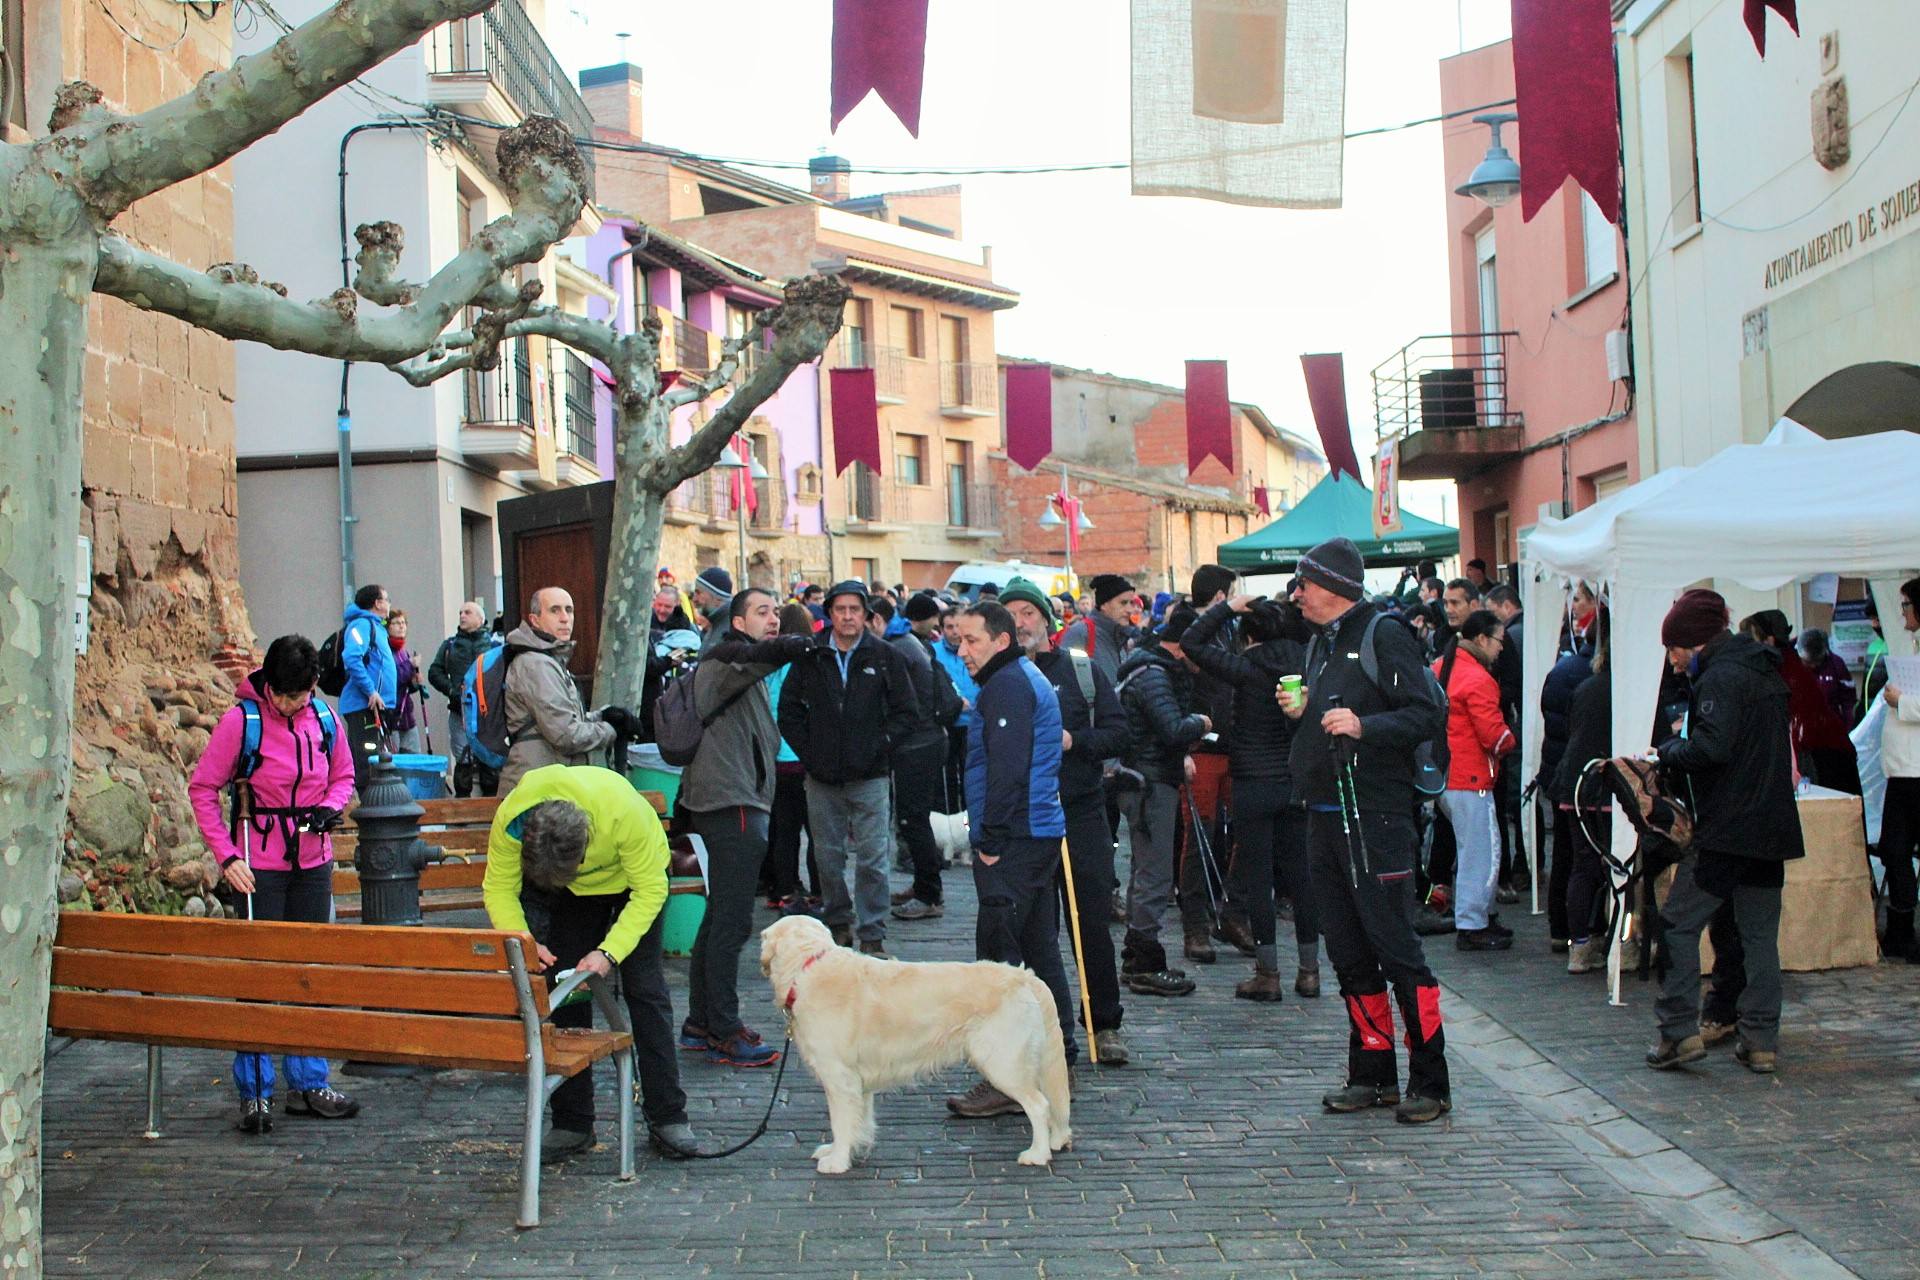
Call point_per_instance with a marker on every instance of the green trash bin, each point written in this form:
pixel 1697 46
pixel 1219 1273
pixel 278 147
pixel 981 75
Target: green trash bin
pixel 648 772
pixel 684 911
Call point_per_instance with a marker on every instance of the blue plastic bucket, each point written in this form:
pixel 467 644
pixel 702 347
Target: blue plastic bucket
pixel 425 776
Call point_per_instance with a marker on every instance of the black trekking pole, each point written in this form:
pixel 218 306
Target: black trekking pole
pixel 1196 832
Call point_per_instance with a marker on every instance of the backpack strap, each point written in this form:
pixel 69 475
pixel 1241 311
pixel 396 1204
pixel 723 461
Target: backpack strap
pixel 324 714
pixel 1083 672
pixel 250 726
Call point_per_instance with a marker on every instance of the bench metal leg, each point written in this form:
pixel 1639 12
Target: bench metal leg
pixel 153 1092
pixel 624 1061
pixel 530 1149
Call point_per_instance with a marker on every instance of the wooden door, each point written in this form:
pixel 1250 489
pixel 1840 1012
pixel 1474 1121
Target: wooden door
pixel 564 557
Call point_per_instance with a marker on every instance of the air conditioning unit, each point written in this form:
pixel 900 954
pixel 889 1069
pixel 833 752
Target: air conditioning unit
pixel 1619 357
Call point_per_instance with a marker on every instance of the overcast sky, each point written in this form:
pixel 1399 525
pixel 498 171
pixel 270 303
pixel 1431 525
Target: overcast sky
pixel 1110 281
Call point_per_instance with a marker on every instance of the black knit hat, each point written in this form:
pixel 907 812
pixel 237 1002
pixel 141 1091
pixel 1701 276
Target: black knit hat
pixel 923 607
pixel 1107 586
pixel 1336 564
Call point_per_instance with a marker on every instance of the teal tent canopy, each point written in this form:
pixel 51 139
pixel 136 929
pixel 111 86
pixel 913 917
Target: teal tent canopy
pixel 1338 507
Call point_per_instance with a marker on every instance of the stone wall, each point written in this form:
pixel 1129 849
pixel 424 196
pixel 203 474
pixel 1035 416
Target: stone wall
pixel 169 630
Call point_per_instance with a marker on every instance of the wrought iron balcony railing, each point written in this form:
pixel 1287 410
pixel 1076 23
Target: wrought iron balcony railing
pixel 503 45
pixel 1444 381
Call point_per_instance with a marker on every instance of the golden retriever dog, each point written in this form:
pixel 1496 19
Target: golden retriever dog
pixel 865 1025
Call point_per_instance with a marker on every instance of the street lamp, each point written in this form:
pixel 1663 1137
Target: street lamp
pixel 729 461
pixel 1495 181
pixel 1052 519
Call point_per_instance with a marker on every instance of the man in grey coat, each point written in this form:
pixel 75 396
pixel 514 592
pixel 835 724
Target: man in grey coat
pixel 728 794
pixel 1102 632
pixel 546 721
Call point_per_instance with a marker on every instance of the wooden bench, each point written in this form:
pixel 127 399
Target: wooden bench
pixel 460 998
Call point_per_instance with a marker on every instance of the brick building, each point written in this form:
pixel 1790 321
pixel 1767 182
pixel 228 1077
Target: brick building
pixel 1123 445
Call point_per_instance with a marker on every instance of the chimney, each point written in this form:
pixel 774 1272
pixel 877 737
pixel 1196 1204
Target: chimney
pixel 612 94
pixel 832 178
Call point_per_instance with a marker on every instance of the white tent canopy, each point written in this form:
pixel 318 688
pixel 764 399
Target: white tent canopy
pixel 1758 515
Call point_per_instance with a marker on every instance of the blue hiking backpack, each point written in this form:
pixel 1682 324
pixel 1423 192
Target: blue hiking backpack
pixel 249 761
pixel 483 706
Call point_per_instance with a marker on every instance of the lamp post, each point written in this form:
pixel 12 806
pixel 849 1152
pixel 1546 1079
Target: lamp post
pixel 1495 181
pixel 1051 519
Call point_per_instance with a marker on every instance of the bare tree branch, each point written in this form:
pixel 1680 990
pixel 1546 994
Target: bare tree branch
pixel 589 337
pixel 538 165
pixel 731 350
pixel 115 160
pixel 802 327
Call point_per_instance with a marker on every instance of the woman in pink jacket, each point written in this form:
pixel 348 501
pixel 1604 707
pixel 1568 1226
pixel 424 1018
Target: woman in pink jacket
pixel 1477 736
pixel 286 758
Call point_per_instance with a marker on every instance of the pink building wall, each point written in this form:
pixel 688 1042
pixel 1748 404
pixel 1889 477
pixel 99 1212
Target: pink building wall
pixel 1557 366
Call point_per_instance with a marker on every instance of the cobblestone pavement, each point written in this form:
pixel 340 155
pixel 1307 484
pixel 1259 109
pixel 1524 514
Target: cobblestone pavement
pixel 1830 1145
pixel 1209 1156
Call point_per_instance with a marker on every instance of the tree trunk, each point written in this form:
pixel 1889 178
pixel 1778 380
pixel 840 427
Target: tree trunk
pixel 44 287
pixel 633 556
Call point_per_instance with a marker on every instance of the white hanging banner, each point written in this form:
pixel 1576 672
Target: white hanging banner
pixel 1386 490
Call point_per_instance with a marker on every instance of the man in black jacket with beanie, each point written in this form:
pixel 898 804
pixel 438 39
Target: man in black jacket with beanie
pixel 1368 704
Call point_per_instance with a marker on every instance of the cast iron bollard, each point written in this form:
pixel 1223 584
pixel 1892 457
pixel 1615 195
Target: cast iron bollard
pixel 390 853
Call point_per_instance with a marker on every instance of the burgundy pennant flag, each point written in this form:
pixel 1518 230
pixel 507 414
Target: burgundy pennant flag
pixel 1260 500
pixel 1029 414
pixel 879 46
pixel 1564 90
pixel 856 418
pixel 1327 394
pixel 1209 414
pixel 1757 19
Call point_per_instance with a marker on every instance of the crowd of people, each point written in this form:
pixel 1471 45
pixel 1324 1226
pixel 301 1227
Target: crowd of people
pixel 1328 757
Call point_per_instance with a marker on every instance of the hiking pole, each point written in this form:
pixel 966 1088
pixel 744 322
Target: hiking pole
pixel 1197 837
pixel 1079 955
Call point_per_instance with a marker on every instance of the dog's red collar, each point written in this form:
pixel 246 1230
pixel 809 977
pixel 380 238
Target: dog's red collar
pixel 792 992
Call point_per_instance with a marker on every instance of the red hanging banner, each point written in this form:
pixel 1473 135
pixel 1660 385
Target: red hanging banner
pixel 1565 98
pixel 743 490
pixel 1260 501
pixel 856 418
pixel 1209 414
pixel 1327 392
pixel 879 46
pixel 1756 15
pixel 1029 414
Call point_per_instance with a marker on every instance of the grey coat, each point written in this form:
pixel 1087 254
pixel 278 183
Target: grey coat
pixel 1109 641
pixel 735 763
pixel 546 721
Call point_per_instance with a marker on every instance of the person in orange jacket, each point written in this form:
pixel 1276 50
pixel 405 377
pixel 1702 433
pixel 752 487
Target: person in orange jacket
pixel 1477 736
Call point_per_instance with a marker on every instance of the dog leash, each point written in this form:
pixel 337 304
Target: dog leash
pixel 759 1132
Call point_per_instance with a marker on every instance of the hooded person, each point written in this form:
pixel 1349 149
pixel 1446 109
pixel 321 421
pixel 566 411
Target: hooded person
pixel 371 694
pixel 546 721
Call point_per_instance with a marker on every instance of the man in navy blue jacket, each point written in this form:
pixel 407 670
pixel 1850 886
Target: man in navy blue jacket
pixel 1016 821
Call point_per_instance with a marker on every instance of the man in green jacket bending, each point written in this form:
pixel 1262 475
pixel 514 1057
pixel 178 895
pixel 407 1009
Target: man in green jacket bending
pixel 578 859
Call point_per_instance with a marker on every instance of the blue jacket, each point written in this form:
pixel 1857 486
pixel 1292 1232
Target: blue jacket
pixel 1013 757
pixel 963 683
pixel 368 658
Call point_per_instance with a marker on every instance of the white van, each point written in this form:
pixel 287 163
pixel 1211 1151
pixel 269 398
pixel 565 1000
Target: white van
pixel 969 578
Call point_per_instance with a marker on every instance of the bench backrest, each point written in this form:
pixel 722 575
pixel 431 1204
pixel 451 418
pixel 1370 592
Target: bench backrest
pixel 448 997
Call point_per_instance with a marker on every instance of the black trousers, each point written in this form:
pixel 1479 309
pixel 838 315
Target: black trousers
pixel 1582 909
pixel 1722 1000
pixel 470 775
pixel 916 789
pixel 1363 881
pixel 1090 850
pixel 303 895
pixel 363 738
pixel 1899 831
pixel 1269 855
pixel 736 841
pixel 1018 923
pixel 785 826
pixel 953 788
pixel 570 925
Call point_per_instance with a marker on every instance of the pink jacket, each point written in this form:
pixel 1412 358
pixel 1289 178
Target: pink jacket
pixel 293 773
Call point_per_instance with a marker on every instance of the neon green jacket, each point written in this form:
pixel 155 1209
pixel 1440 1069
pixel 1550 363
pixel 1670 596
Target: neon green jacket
pixel 626 853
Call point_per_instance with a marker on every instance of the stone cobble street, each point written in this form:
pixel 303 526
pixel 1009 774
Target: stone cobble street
pixel 1208 1156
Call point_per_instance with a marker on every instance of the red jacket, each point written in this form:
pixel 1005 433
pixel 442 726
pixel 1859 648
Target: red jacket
pixel 1477 734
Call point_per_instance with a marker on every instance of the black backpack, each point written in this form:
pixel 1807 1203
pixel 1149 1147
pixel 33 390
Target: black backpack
pixel 333 671
pixel 1430 758
pixel 678 726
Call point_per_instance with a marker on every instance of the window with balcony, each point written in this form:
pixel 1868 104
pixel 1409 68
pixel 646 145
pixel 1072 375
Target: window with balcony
pixel 959 477
pixel 908 332
pixel 910 459
pixel 579 438
pixel 856 332
pixel 502 48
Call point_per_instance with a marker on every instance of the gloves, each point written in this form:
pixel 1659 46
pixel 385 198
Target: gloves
pixel 322 819
pixel 793 647
pixel 621 719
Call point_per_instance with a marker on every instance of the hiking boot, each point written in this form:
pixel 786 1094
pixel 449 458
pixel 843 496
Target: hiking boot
pixel 561 1143
pixel 874 947
pixel 1263 986
pixel 1307 983
pixel 1630 954
pixel 1669 1054
pixel 324 1102
pixel 1160 982
pixel 1235 934
pixel 1506 897
pixel 1759 1061
pixel 1585 957
pixel 1200 945
pixel 903 897
pixel 743 1048
pixel 1428 923
pixel 914 909
pixel 693 1039
pixel 675 1141
pixel 1110 1048
pixel 842 935
pixel 1713 1033
pixel 256 1115
pixel 1358 1097
pixel 1488 939
pixel 1416 1109
pixel 981 1101
pixel 1119 910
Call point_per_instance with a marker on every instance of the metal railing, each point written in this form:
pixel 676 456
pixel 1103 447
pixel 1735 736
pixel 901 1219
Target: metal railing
pixel 968 386
pixel 692 346
pixel 1444 381
pixel 503 45
pixel 501 396
pixel 889 365
pixel 698 494
pixel 581 431
pixel 873 499
pixel 973 506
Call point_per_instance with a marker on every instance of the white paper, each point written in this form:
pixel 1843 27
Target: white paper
pixel 1824 588
pixel 1903 673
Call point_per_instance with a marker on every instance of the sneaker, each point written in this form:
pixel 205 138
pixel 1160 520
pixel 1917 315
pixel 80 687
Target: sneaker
pixel 1199 945
pixel 1488 939
pixel 914 909
pixel 1306 983
pixel 1359 1097
pixel 1759 1061
pixel 561 1143
pixel 776 902
pixel 981 1101
pixel 1506 897
pixel 743 1048
pixel 1428 922
pixel 1713 1033
pixel 675 1141
pixel 1263 986
pixel 902 897
pixel 1119 908
pixel 324 1102
pixel 256 1115
pixel 1585 957
pixel 1669 1054
pixel 1416 1109
pixel 874 947
pixel 1160 982
pixel 1110 1048
pixel 1629 954
pixel 1235 934
pixel 693 1039
pixel 795 904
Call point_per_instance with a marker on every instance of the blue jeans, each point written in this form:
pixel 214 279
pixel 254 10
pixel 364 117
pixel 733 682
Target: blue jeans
pixel 303 895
